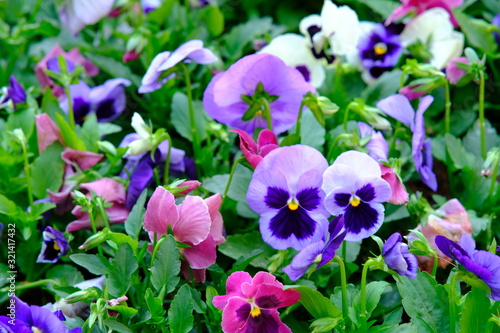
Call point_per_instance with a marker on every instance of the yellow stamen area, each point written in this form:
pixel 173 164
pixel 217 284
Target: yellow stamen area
pixel 355 202
pixel 255 312
pixel 380 48
pixel 36 330
pixel 293 205
pixel 56 246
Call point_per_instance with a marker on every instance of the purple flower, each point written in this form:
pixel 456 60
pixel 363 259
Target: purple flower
pixel 379 50
pixel 107 101
pixel 398 258
pixel 354 187
pixel 321 252
pixel 377 146
pixel 485 265
pixel 150 5
pixel 496 21
pixel 54 245
pixel 32 318
pixel 189 51
pixel 76 14
pixel 235 97
pixel 399 107
pixel 286 191
pixel 15 91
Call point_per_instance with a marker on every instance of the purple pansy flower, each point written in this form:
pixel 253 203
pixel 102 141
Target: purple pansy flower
pixel 379 50
pixel 234 97
pixel 286 191
pixel 354 187
pixel 321 252
pixel 32 318
pixel 485 265
pixel 192 50
pixel 377 146
pixel 54 245
pixel 399 107
pixel 107 101
pixel 398 257
pixel 77 14
pixel 15 91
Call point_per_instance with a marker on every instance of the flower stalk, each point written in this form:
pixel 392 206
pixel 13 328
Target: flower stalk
pixel 481 114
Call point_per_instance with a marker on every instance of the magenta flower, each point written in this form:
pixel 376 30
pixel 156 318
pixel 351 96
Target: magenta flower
pixel 419 6
pixel 453 73
pixel 112 192
pixel 76 14
pixel 410 93
pixel 255 152
pixel 47 132
pixel 192 50
pixel 286 191
pixel 398 257
pixel 399 194
pixel 234 97
pixel 354 187
pixel 251 304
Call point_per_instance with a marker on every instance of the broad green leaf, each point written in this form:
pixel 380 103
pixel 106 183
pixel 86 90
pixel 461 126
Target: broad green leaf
pixel 460 157
pixel 24 119
pixel 180 117
pixel 476 312
pixel 425 299
pixel 387 84
pixel 240 244
pixel 180 315
pixel 243 261
pixel 290 140
pixel 116 326
pixel 7 207
pixel 472 141
pixel 116 239
pixel 317 305
pixel 93 263
pixel 135 219
pixel 69 136
pixel 239 184
pixel 67 275
pixel 90 134
pixel 243 34
pixel 155 307
pixel 166 266
pixel 382 7
pixel 47 171
pixel 394 317
pixel 214 20
pixel 50 105
pixel 373 292
pixel 479 33
pixel 122 267
pixel 198 305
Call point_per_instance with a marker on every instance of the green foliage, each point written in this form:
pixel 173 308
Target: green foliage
pixel 47 171
pixel 120 272
pixel 166 266
pixel 180 316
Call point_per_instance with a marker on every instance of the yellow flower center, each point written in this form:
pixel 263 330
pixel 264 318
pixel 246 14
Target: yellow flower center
pixel 380 48
pixel 355 201
pixel 56 246
pixel 255 312
pixel 293 205
pixel 36 330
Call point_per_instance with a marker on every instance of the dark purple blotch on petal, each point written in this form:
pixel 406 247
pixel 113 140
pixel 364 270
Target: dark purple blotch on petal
pixel 342 199
pixel 292 222
pixel 276 197
pixel 268 301
pixel 366 193
pixel 361 217
pixel 305 72
pixel 309 198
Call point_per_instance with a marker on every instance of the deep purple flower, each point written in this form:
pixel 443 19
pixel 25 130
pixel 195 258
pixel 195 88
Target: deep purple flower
pixel 496 21
pixel 15 91
pixel 286 191
pixel 107 101
pixel 354 187
pixel 485 265
pixel 54 245
pixel 321 252
pixel 399 107
pixel 32 318
pixel 235 97
pixel 398 257
pixel 379 50
pixel 192 50
pixel 377 146
pixel 140 168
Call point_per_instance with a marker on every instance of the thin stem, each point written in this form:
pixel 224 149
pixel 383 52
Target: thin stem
pixel 299 119
pixel 71 113
pixel 267 113
pixel 363 288
pixel 343 283
pixel 344 250
pixel 30 285
pixel 104 213
pixel 167 161
pixel 447 107
pixel 346 117
pixel 453 309
pixel 27 170
pixel 233 169
pixel 92 224
pixel 436 262
pixel 481 115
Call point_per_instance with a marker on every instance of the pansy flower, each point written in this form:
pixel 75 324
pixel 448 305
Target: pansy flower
pixel 485 265
pixel 320 252
pixel 255 152
pixel 54 245
pixel 192 50
pixel 398 257
pixel 354 187
pixel 150 5
pixel 235 97
pixel 286 191
pixel 377 144
pixel 14 93
pixel 420 6
pixel 453 72
pixel 399 194
pixel 76 14
pixel 399 107
pixel 251 304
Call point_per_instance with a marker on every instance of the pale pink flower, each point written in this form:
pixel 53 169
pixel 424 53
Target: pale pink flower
pixel 419 6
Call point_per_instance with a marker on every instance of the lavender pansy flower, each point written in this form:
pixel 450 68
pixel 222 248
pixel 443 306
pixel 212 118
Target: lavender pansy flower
pixel 286 191
pixel 192 50
pixel 320 252
pixel 13 94
pixel 399 107
pixel 398 257
pixel 234 97
pixel 354 187
pixel 107 101
pixel 377 145
pixel 77 14
pixel 485 265
pixel 54 245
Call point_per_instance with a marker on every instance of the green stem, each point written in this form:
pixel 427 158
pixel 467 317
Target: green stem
pixel 332 145
pixel 453 308
pixel 481 115
pixel 156 245
pixel 366 266
pixel 447 107
pixel 90 211
pixel 267 113
pixel 343 283
pixel 299 119
pixel 344 250
pixel 233 169
pixel 71 113
pixel 346 116
pixel 436 262
pixel 35 11
pixel 104 213
pixel 27 170
pixel 167 161
pixel 192 121
pixel 394 137
pixel 29 285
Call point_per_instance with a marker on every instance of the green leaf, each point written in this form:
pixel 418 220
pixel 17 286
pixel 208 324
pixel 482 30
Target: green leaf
pixel 311 131
pixel 24 119
pixel 180 117
pixel 476 312
pixel 116 326
pixel 166 266
pixel 180 315
pixel 317 305
pixel 324 324
pixel 93 263
pixel 8 207
pixel 47 171
pixel 116 239
pixel 424 298
pixel 198 305
pixel 382 7
pixel 214 20
pixel 122 267
pixel 50 105
pixel 394 317
pixel 460 157
pixel 373 292
pixel 242 34
pixel 472 140
pixel 479 33
pixel 155 307
pixel 67 275
pixel 290 140
pixel 239 184
pixel 90 133
pixel 387 84
pixel 241 244
pixel 243 261
pixel 69 136
pixel 114 68
pixel 135 219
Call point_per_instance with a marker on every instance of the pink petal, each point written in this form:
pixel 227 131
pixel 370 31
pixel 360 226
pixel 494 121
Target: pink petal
pixel 285 297
pixel 201 255
pixel 266 137
pixel 453 73
pixel 191 186
pixel 233 288
pixel 248 147
pixel 217 226
pixel 193 225
pixel 410 94
pixel 250 290
pixel 160 212
pixel 117 213
pixel 199 275
pixel 47 131
pixel 84 159
pixel 109 189
pixel 399 195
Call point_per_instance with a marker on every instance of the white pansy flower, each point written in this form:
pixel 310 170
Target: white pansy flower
pixel 144 144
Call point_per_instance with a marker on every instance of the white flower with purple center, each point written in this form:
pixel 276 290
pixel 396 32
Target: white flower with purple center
pixel 354 187
pixel 286 191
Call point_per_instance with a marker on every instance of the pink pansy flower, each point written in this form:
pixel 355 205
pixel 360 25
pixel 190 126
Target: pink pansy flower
pixel 195 222
pixel 74 56
pixel 410 93
pixel 399 195
pixel 251 305
pixel 419 6
pixel 453 73
pixel 255 152
pixel 450 220
pixel 112 192
pixel 47 132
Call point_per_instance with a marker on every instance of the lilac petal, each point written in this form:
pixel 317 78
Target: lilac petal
pixel 181 53
pixel 373 189
pixel 363 221
pixel 468 243
pixel 150 81
pixel 259 189
pixel 399 108
pixel 301 262
pixel 490 262
pixel 54 245
pixel 45 321
pixel 202 56
pixel 423 163
pixel 391 243
pixel 23 312
pixel 53 65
